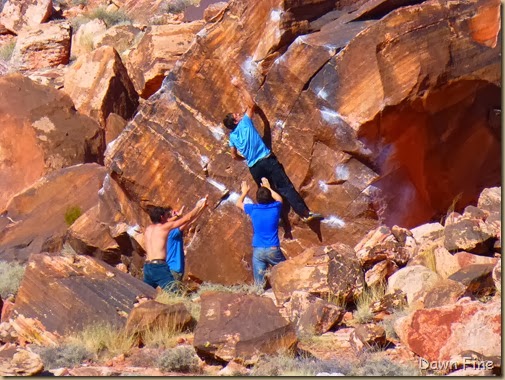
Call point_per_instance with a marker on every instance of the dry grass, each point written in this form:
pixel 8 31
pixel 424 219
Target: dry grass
pixel 240 289
pixel 363 313
pixel 103 340
pixel 7 50
pixel 11 274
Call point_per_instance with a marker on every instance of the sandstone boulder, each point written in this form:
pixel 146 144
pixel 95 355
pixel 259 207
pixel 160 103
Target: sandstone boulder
pixel 43 46
pixel 40 215
pixel 156 54
pixel 329 270
pixel 340 117
pixel 312 315
pixel 380 272
pixel 83 39
pixel 490 200
pixel 155 316
pixel 69 293
pixel 439 333
pixel 497 276
pixel 367 336
pixel 415 281
pixel 213 11
pixel 468 235
pixel 114 125
pixel 19 362
pixel 477 279
pixel 120 37
pixel 241 326
pixel 30 330
pixel 42 121
pixel 444 292
pixel 99 84
pixel 16 14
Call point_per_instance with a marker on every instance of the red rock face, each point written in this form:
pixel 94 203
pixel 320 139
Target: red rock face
pixel 371 113
pixel 41 132
pixel 438 334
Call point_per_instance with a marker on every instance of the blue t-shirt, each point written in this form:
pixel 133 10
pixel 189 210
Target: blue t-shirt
pixel 265 221
pixel 175 251
pixel 248 141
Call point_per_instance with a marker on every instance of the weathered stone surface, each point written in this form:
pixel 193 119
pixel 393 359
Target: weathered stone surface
pixel 415 281
pixel 444 292
pixel 156 54
pixel 120 37
pixel 439 333
pixel 99 84
pixel 312 315
pixel 333 95
pixel 146 11
pixel 214 11
pixel 389 303
pixel 241 326
pixel 155 316
pixel 88 236
pixel 16 14
pixel 114 125
pixel 19 362
pixel 83 39
pixel 38 214
pixel 497 276
pixel 30 330
pixel 468 235
pixel 42 121
pixel 490 200
pixel 445 263
pixel 68 293
pixel 472 212
pixel 464 259
pixel 366 336
pixel 330 270
pixel 477 279
pixel 380 272
pixel 43 46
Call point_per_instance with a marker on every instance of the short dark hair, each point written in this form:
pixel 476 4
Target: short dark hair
pixel 264 196
pixel 229 121
pixel 156 213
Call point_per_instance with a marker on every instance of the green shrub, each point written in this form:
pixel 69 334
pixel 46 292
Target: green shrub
pixel 110 18
pixel 179 359
pixel 11 274
pixel 383 367
pixel 79 2
pixel 178 6
pixel 7 50
pixel 72 214
pixel 65 355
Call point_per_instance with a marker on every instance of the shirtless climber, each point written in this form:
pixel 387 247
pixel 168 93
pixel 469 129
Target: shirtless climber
pixel 156 270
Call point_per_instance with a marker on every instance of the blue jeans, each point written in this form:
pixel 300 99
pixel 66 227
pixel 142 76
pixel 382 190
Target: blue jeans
pixel 262 257
pixel 157 275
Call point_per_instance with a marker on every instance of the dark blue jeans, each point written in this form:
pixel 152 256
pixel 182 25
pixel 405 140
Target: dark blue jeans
pixel 272 170
pixel 262 257
pixel 157 274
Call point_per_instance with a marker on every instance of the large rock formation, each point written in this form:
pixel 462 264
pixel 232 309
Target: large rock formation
pixel 68 293
pixel 39 216
pixel 42 121
pixel 369 111
pixel 99 85
pixel 17 14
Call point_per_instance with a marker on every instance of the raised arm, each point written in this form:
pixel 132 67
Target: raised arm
pixel 275 196
pixel 245 190
pixel 192 220
pixel 235 155
pixel 174 223
pixel 250 103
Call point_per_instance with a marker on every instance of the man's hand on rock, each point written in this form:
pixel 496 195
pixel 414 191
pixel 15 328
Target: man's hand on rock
pixel 245 187
pixel 265 183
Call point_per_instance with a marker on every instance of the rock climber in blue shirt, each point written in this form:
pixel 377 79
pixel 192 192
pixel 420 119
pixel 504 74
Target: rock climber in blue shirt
pixel 265 220
pixel 246 144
